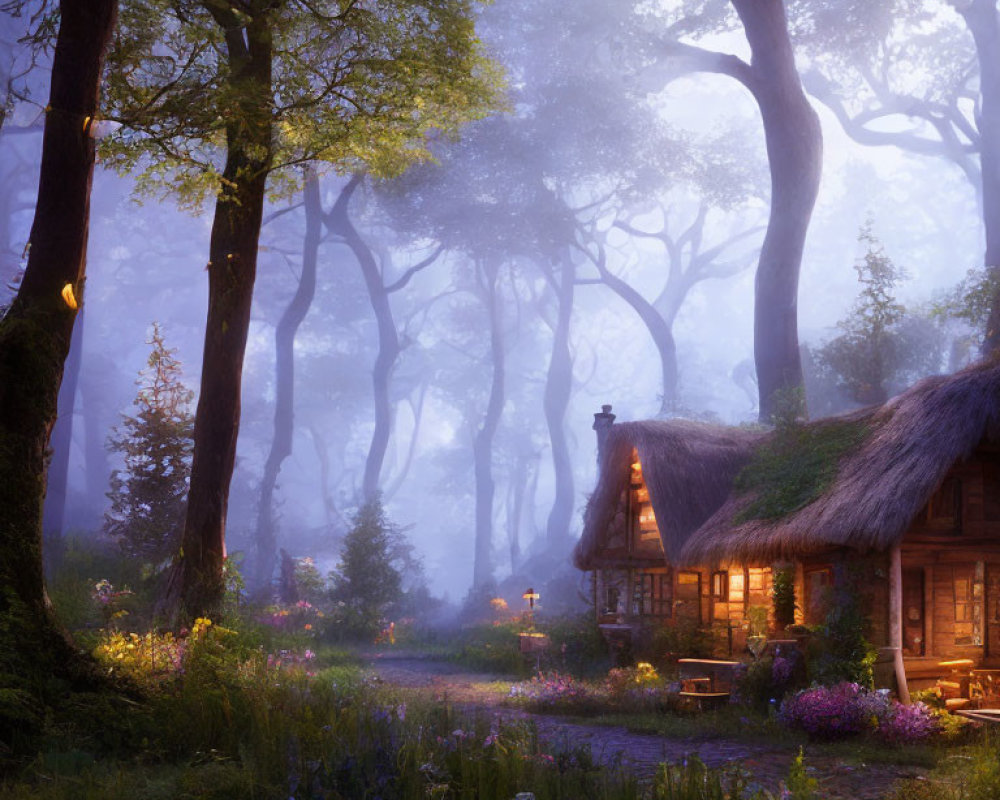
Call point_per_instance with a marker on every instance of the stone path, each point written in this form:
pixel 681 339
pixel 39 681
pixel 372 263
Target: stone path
pixel 642 752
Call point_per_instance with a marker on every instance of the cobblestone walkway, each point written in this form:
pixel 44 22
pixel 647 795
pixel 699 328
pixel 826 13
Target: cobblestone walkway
pixel 640 751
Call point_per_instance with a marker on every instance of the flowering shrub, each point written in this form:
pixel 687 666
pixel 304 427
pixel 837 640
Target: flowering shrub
pixel 387 635
pixel 301 617
pixel 846 709
pixel 833 712
pixel 625 679
pixel 908 724
pixel 782 669
pixel 292 661
pixel 140 657
pixel 553 691
pixel 109 600
pixel 152 656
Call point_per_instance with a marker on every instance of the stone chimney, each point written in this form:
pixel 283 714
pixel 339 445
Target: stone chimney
pixel 602 424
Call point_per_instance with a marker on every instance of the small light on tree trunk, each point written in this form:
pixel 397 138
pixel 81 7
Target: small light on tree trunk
pixel 69 297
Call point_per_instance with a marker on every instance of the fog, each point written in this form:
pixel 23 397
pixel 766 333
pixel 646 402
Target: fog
pixel 604 158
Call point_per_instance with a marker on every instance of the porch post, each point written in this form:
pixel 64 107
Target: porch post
pixel 896 620
pixel 602 425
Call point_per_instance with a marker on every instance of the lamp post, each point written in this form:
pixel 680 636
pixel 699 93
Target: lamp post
pixel 531 596
pixel 532 642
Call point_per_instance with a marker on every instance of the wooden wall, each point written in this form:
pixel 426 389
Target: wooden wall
pixel 959 560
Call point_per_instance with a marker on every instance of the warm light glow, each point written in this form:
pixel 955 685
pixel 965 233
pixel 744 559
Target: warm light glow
pixel 69 297
pixel 637 466
pixel 736 581
pixel 531 594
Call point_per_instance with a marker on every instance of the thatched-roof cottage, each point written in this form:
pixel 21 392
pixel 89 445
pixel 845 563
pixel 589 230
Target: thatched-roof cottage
pixel 688 520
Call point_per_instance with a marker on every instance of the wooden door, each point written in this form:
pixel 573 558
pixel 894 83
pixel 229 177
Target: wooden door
pixel 914 641
pixel 689 597
pixel 993 609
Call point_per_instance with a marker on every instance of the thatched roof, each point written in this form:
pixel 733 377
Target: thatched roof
pixel 688 467
pixel 873 494
pixel 881 486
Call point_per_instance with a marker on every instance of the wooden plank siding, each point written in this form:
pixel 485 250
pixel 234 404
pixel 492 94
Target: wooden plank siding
pixel 960 561
pixel 950 559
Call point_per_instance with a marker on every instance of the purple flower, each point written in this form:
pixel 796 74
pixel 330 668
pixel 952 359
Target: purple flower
pixel 908 724
pixel 832 712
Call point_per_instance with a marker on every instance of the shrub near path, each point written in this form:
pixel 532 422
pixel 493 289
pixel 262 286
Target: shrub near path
pixel 642 752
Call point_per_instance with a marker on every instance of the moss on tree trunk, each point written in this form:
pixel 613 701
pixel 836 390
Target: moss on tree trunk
pixel 38 661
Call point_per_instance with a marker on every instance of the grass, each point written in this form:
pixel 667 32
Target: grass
pixel 244 712
pixel 231 725
pixel 967 772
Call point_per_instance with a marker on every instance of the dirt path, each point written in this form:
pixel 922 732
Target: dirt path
pixel 640 751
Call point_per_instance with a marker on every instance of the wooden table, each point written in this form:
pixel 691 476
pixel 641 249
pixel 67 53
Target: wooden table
pixel 980 714
pixel 711 668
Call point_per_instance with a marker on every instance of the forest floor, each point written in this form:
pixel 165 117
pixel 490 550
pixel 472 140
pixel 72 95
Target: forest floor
pixel 840 778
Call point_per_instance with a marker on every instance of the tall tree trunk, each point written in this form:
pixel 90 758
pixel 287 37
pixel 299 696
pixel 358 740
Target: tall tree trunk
pixel 661 331
pixel 983 21
pixel 284 381
pixel 482 448
pixel 232 270
pixel 339 221
pixel 35 341
pixel 794 150
pixel 418 417
pixel 95 455
pixel 54 515
pixel 332 515
pixel 558 385
pixel 525 474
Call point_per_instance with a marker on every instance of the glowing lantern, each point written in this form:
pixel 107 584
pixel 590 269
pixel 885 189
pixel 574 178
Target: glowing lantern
pixel 68 297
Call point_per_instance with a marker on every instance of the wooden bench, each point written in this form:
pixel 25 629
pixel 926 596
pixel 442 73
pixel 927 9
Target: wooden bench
pixel 955 689
pixel 702 699
pixel 693 669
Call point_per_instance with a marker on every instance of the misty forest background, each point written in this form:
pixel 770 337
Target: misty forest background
pixel 443 337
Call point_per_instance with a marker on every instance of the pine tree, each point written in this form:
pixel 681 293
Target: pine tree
pixel 368 579
pixel 869 352
pixel 148 496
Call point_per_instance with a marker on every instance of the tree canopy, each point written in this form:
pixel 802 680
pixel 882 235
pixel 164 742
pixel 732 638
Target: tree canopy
pixel 360 85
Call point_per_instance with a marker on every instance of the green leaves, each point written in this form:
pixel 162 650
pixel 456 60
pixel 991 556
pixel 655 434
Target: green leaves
pixel 148 495
pixel 357 84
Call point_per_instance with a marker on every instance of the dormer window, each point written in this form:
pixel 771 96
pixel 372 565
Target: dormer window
pixel 645 532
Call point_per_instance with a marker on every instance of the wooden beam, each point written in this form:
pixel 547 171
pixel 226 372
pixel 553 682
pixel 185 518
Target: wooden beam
pixel 928 611
pixel 896 621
